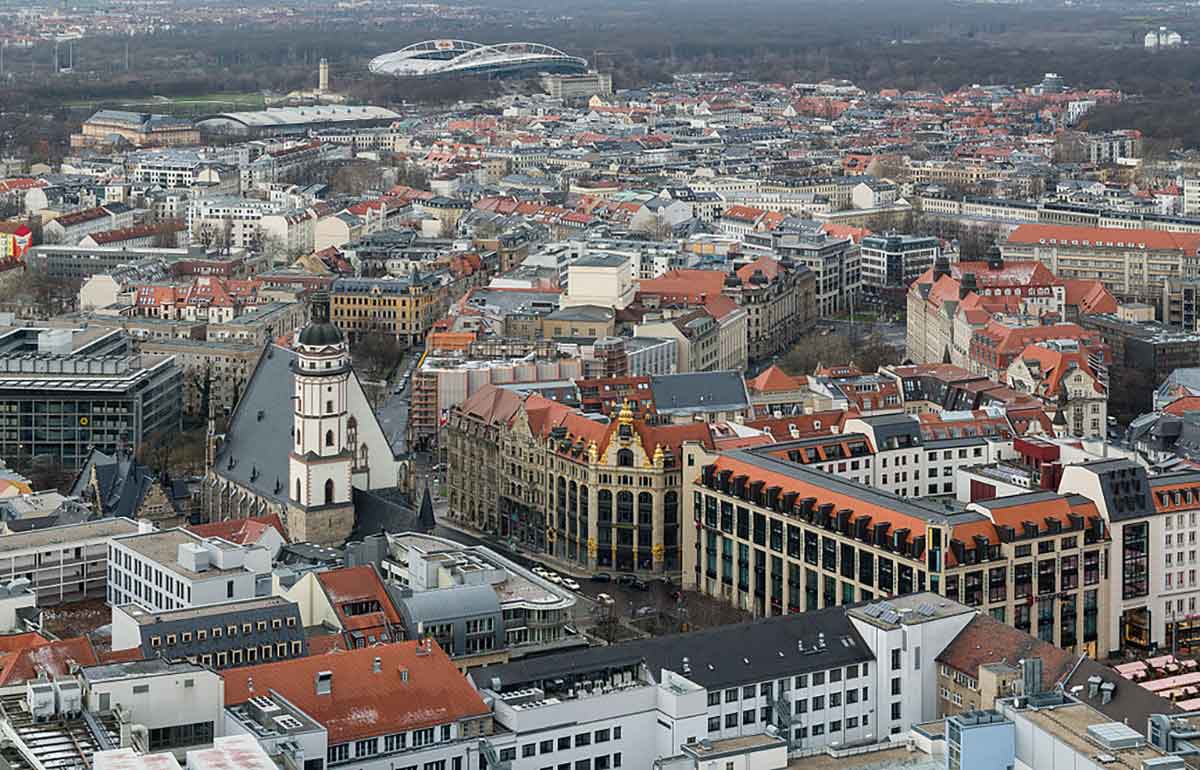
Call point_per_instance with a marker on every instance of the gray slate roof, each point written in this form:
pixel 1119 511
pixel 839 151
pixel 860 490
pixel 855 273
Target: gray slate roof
pixel 718 657
pixel 259 437
pixel 699 392
pixel 123 483
pixel 446 604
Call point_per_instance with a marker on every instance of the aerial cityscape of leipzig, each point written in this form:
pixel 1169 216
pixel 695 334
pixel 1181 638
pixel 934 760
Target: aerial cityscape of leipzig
pixel 621 385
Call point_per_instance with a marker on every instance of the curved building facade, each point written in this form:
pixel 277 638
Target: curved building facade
pixel 463 58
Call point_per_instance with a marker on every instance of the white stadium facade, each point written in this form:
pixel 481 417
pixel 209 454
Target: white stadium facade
pixel 462 58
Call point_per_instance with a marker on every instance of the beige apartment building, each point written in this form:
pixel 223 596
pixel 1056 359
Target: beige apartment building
pixel 1135 265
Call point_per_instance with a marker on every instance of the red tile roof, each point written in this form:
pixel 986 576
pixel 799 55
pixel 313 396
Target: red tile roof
pixel 38 656
pixel 121 656
pixel 986 640
pixel 241 531
pixel 320 644
pixel 492 404
pixel 768 265
pixel 349 586
pixel 1181 406
pixel 1102 237
pixel 1052 365
pixel 1090 297
pixel 363 702
pixel 804 425
pixel 775 380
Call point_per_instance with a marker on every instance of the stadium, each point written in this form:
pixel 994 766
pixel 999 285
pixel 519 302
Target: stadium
pixel 462 58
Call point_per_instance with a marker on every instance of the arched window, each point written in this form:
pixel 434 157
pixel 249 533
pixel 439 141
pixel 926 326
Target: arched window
pixel 645 508
pixel 625 458
pixel 604 505
pixel 328 438
pixel 329 491
pixel 297 490
pixel 624 507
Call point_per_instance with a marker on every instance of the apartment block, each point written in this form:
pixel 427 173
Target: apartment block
pixel 62 564
pixel 218 636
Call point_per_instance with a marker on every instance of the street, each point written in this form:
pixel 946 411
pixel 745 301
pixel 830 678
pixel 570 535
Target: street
pixel 393 418
pixel 627 600
pixel 393 414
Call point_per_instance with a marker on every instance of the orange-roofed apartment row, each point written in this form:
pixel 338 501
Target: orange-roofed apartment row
pixel 775 536
pixel 1135 265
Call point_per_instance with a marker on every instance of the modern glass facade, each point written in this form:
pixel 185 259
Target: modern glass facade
pixel 64 417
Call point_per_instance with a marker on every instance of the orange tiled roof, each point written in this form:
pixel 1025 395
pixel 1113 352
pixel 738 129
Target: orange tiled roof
pixel 241 531
pixel 53 658
pixel 774 380
pixel 409 691
pixel 1102 237
pixel 1090 296
pixel 1181 406
pixel 351 585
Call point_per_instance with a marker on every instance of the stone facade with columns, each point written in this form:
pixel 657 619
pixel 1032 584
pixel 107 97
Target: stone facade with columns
pixel 585 495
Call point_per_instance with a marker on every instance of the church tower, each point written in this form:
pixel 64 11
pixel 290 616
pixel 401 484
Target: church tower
pixel 321 508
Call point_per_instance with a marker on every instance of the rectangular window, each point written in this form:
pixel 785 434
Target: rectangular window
pixel 1135 566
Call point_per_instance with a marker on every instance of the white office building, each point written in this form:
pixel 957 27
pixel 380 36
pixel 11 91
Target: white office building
pixel 176 569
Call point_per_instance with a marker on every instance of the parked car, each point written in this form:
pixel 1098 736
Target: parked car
pixel 553 577
pixel 540 571
pixel 647 610
pixel 605 599
pixel 570 583
pixel 634 582
pixel 602 577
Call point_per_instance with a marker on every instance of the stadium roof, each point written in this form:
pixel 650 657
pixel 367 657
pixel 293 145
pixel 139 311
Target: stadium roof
pixel 455 58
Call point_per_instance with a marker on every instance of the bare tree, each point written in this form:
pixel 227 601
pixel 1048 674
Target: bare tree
pixel 376 353
pixel 659 228
pixel 166 235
